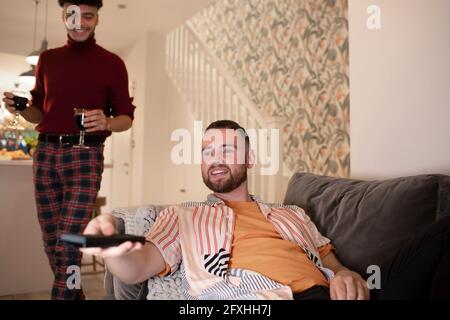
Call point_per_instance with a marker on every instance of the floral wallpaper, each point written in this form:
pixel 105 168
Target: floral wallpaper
pixel 292 59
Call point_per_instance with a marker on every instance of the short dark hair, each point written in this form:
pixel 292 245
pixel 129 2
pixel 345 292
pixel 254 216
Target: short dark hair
pixel 229 124
pixel 93 3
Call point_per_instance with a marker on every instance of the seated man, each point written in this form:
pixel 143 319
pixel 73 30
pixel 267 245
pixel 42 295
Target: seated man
pixel 234 246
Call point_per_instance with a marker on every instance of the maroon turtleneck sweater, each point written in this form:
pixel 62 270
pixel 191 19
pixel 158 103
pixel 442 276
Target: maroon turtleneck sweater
pixel 79 75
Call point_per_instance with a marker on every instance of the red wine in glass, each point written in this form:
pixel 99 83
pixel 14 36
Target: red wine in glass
pixel 20 98
pixel 20 103
pixel 79 118
pixel 80 114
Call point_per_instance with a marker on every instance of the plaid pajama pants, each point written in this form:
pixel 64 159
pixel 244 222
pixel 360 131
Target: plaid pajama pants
pixel 66 181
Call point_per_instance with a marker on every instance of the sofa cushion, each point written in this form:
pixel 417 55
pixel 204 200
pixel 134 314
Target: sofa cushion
pixel 368 220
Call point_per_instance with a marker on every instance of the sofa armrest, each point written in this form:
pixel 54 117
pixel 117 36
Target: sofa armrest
pixel 126 218
pixel 136 221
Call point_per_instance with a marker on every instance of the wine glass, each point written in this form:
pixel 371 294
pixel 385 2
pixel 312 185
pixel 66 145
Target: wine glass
pixel 20 98
pixel 80 114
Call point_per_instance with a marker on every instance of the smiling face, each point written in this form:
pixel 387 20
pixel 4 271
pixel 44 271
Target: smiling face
pixel 224 160
pixel 89 21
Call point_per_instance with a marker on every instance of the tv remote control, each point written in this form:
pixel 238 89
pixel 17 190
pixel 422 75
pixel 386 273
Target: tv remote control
pixel 99 241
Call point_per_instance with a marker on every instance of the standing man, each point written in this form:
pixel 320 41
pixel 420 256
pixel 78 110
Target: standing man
pixel 80 74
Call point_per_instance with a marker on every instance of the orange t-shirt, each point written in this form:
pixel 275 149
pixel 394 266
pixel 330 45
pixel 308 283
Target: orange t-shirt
pixel 258 246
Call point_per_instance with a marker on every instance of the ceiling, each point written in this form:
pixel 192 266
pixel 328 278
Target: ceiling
pixel 117 30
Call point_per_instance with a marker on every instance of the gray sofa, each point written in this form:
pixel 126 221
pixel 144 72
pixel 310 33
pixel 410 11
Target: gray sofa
pixel 366 221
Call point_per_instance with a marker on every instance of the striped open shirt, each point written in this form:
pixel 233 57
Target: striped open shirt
pixel 200 235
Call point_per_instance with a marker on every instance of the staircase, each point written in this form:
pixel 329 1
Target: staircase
pixel 211 93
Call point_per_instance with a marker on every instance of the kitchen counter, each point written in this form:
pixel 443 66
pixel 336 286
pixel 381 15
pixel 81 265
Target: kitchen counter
pixel 18 163
pixel 24 267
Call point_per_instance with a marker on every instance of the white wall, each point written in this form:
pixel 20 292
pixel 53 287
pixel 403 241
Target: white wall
pixel 155 130
pixel 167 112
pixel 136 62
pixel 160 110
pixel 400 88
pixel 24 265
pixel 182 177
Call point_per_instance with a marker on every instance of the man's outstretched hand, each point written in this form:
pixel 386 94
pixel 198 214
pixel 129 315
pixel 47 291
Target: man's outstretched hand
pixel 105 224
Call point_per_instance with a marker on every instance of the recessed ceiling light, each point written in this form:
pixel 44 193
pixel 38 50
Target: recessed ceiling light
pixel 122 6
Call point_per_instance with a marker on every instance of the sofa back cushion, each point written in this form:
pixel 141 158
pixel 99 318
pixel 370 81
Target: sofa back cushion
pixel 368 220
